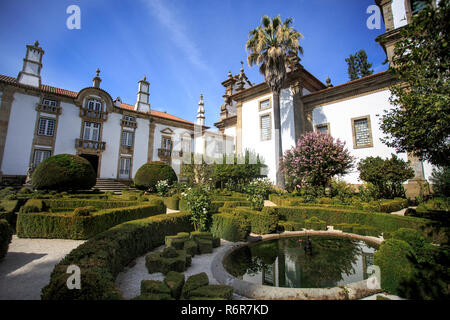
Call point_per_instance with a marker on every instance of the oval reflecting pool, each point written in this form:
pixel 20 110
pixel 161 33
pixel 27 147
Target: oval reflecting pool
pixel 290 262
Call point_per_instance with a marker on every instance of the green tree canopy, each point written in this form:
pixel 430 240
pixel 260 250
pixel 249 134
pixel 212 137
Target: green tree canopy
pixel 358 66
pixel 419 123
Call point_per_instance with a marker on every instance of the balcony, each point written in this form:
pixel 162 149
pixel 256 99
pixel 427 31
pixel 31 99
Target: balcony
pixel 164 153
pixel 48 109
pixel 93 114
pixel 91 146
pixel 128 123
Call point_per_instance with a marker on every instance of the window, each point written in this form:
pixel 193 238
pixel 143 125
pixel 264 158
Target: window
pixel 167 143
pixel 48 102
pixel 46 127
pixel 362 136
pixel 95 105
pixel 264 104
pixel 323 128
pixel 129 118
pixel 91 131
pixel 39 156
pixel 218 146
pixel 266 126
pixel 127 138
pixel 125 165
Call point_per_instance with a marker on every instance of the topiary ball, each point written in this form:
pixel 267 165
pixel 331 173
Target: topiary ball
pixel 150 173
pixel 64 172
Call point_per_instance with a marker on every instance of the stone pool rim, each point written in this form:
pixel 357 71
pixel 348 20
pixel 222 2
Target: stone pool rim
pixel 351 291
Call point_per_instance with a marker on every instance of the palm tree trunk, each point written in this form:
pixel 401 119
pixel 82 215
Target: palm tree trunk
pixel 278 140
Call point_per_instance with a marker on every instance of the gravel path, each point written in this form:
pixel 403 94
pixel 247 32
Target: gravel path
pixel 27 266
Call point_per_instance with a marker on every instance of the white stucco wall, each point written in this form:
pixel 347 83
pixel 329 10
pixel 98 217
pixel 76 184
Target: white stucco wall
pixel 251 132
pixel 399 13
pixel 110 157
pixel 339 115
pixel 69 126
pixel 20 134
pixel 140 145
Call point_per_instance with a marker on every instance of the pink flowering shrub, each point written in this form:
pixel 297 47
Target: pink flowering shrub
pixel 315 160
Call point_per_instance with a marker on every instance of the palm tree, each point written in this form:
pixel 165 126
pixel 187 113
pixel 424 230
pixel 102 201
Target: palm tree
pixel 269 47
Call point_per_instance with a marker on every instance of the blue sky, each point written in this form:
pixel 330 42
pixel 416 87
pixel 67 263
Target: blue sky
pixel 184 47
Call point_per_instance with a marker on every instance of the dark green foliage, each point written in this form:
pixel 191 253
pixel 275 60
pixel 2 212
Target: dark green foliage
pixel 97 203
pixel 194 282
pixel 315 223
pixel 63 226
pixel 212 291
pixel 6 233
pixel 8 209
pixel 175 281
pixel 230 227
pixel 393 259
pixel 33 205
pixel 414 238
pixel 176 241
pixel 150 173
pixel 264 222
pixel 104 256
pixel 440 178
pixel 191 247
pixel 420 122
pixel 386 175
pixel 216 242
pixel 172 202
pixel 290 226
pixel 84 211
pixel 205 246
pixel 382 221
pixel 154 286
pixel 167 260
pixel 64 172
pixel 358 67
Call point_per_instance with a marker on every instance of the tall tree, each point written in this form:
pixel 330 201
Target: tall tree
pixel 419 123
pixel 358 66
pixel 269 47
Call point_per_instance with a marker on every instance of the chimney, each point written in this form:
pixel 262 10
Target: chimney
pixel 96 81
pixel 201 112
pixel 32 65
pixel 142 103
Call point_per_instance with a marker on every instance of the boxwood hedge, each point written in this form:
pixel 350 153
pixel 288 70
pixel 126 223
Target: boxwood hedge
pixel 70 226
pixel 104 256
pixel 5 237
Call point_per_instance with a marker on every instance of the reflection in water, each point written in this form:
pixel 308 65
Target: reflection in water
pixel 283 262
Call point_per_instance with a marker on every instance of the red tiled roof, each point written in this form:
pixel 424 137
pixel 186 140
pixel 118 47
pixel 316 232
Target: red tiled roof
pixel 157 114
pixel 73 94
pixel 44 88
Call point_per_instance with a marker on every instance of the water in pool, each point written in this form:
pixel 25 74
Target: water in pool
pixel 287 262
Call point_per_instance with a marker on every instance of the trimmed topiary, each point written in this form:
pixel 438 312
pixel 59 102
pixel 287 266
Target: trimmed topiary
pixel 194 282
pixel 5 237
pixel 84 211
pixel 175 282
pixel 168 260
pixel 204 246
pixel 212 291
pixel 393 258
pixel 190 246
pixel 150 173
pixel 154 296
pixel 64 172
pixel 154 286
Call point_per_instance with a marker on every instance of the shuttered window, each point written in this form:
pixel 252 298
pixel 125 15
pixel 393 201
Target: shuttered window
pixel 127 138
pixel 266 127
pixel 95 105
pixel 46 127
pixel 125 164
pixel 39 156
pixel 91 131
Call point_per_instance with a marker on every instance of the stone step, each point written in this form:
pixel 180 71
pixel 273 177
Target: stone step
pixel 105 185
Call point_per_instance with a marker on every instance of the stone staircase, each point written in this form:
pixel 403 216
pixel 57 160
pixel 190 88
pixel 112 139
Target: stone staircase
pixel 105 185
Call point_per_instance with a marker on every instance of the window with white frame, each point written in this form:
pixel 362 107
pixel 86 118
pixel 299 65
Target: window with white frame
pixel 186 145
pixel 125 165
pixel 127 138
pixel 46 127
pixel 266 126
pixel 39 156
pixel 94 105
pixel 49 102
pixel 129 118
pixel 167 143
pixel 91 131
